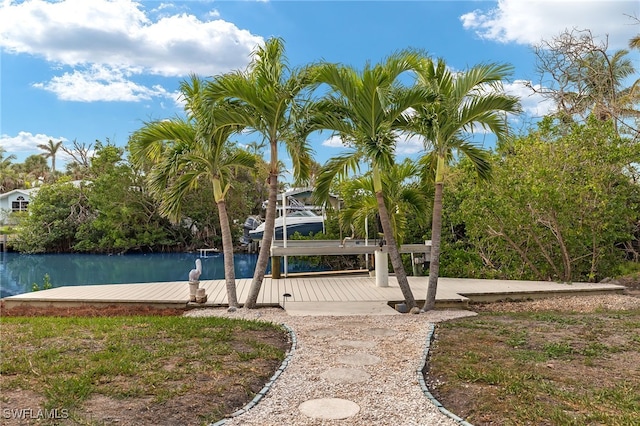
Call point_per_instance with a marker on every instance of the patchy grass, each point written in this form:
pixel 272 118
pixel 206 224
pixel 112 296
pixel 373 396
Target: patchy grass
pixel 539 368
pixel 135 369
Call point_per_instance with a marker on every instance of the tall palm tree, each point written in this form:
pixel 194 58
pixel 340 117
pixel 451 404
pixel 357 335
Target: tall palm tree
pixel 184 153
pixel 264 99
pixel 464 100
pixel 50 150
pixel 366 109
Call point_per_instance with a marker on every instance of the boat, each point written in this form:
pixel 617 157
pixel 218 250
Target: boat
pixel 250 224
pixel 304 222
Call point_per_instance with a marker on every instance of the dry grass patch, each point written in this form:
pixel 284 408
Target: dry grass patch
pixel 558 362
pixel 132 369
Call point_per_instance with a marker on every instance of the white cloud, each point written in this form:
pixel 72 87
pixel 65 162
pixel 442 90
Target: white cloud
pixel 409 145
pixel 334 142
pixel 119 36
pixel 101 83
pixel 529 22
pixel 26 141
pixel 533 104
pixel 25 144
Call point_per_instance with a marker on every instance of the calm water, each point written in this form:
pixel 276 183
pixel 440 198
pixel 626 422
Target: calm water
pixel 18 272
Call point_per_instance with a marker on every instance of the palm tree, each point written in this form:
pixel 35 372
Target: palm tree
pixel 464 100
pixel 35 169
pixel 183 153
pixel 264 99
pixel 405 197
pixel 366 110
pixel 7 173
pixel 603 77
pixel 51 149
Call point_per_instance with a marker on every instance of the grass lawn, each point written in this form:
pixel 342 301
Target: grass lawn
pixel 539 368
pixel 133 369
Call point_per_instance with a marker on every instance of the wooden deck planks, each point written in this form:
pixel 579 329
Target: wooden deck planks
pixel 299 291
pixel 321 288
pixel 334 291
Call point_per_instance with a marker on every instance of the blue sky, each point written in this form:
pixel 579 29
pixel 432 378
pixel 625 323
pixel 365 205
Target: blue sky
pixel 96 69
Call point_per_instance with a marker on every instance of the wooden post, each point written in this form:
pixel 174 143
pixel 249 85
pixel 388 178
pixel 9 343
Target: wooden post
pixel 275 267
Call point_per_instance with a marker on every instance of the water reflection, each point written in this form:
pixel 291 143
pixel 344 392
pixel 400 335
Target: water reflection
pixel 18 272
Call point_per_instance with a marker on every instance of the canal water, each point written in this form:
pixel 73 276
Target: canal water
pixel 18 272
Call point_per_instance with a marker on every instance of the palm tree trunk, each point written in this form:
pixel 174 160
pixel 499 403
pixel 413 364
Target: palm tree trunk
pixel 394 253
pixel 434 265
pixel 227 250
pixel 265 248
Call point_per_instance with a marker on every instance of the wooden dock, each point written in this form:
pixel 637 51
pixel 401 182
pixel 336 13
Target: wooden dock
pixel 207 252
pixel 314 289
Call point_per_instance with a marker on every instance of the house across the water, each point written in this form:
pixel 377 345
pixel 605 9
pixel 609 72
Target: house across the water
pixel 15 201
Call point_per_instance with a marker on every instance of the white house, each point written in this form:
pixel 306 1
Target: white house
pixel 15 201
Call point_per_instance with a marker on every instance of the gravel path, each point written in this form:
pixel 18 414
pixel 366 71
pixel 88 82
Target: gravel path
pixel 371 361
pixel 367 360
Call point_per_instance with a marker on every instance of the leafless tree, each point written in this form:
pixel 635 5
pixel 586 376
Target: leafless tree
pixel 583 78
pixel 80 154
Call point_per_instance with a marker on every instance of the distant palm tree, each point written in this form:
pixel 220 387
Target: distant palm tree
pixel 7 173
pixel 76 170
pixel 35 169
pixel 264 99
pixel 463 100
pixel 366 109
pixel 604 77
pixel 182 154
pixel 51 149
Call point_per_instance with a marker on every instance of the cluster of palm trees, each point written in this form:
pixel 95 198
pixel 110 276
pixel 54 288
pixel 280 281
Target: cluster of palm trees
pixel 34 169
pixel 409 93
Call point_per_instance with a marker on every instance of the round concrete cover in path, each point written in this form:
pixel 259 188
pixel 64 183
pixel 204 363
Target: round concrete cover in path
pixel 329 408
pixel 361 344
pixel 346 375
pixel 382 332
pixel 323 332
pixel 359 359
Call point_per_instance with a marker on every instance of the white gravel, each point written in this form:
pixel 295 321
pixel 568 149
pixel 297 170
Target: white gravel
pixel 392 394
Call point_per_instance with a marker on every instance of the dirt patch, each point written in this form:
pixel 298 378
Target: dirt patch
pixel 87 311
pixel 631 282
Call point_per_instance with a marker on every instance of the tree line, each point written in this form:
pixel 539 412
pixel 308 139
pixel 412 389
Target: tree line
pixel 560 201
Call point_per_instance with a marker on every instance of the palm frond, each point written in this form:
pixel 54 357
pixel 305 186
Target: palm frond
pixel 480 159
pixel 337 167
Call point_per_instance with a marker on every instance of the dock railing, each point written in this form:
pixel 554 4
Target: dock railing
pixel 339 248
